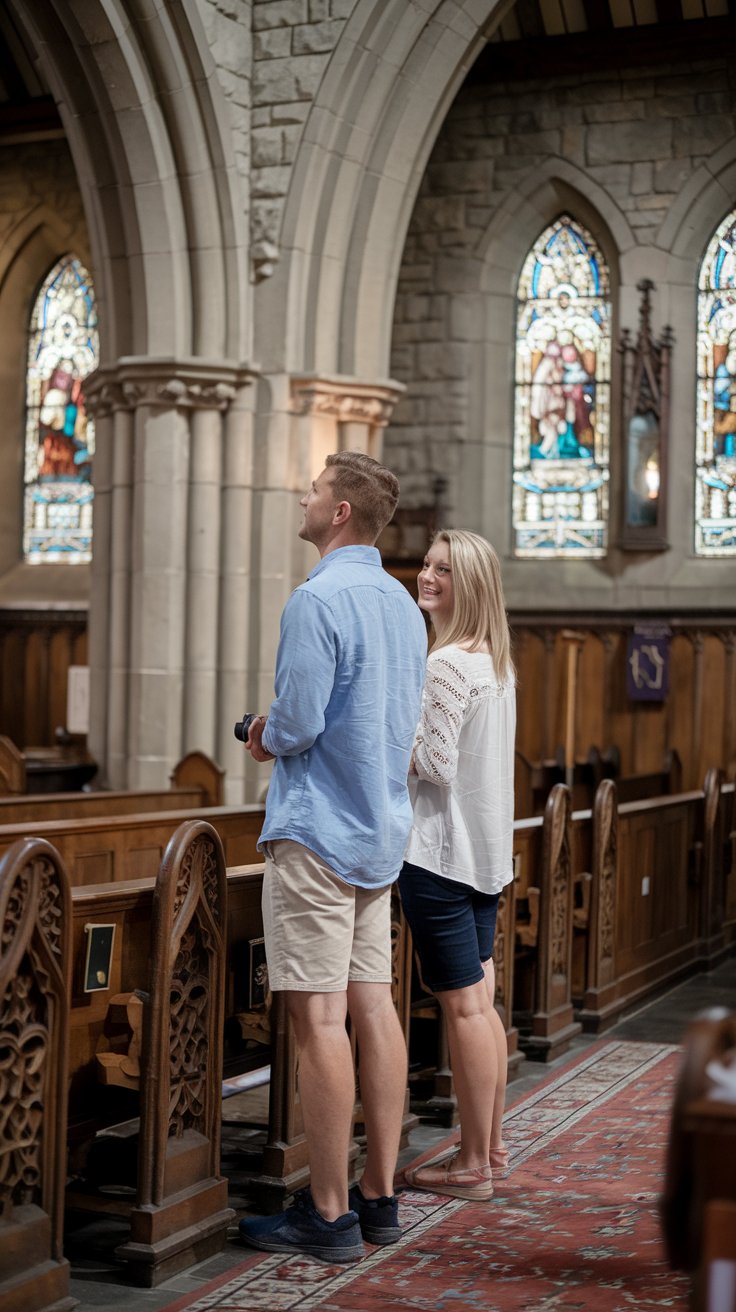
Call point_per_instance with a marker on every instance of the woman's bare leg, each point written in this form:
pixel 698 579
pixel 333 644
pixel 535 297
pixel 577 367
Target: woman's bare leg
pixel 502 1057
pixel 474 1060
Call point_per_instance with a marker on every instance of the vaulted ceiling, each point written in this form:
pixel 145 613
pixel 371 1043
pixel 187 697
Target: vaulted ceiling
pixel 539 18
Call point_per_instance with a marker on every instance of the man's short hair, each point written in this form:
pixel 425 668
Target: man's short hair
pixel 371 489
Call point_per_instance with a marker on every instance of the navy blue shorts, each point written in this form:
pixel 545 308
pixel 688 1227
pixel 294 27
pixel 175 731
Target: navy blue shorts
pixel 452 926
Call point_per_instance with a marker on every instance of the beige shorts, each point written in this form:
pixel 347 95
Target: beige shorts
pixel 319 931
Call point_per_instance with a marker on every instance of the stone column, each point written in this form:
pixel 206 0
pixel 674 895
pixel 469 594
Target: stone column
pixel 156 604
pixel 236 686
pixel 301 419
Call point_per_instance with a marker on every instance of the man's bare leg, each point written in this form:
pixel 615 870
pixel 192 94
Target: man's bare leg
pixel 326 1093
pixel 382 1062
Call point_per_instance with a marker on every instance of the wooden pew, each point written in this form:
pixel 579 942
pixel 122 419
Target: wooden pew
pixel 44 769
pixel 195 782
pixel 534 780
pixel 698 1203
pixel 34 1003
pixel 652 897
pixel 170 946
pixel 181 1214
pixel 545 887
pixel 114 847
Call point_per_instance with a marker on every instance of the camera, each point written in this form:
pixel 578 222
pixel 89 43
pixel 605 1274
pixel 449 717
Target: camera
pixel 242 727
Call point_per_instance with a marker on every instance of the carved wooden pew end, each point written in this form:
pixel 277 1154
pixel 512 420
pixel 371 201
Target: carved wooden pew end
pixel 181 1212
pixel 34 1008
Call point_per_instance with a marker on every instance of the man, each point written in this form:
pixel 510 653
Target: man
pixel 349 674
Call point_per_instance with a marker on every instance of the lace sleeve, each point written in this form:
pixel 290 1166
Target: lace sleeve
pixel 444 704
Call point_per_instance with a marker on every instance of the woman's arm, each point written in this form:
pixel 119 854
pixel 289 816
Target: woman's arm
pixel 444 706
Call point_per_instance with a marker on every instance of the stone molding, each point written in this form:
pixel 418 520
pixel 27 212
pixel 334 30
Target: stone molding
pixel 345 399
pixel 165 384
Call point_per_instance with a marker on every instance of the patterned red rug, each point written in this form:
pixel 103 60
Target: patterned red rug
pixel 573 1227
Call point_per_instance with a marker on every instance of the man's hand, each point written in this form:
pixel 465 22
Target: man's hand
pixel 255 733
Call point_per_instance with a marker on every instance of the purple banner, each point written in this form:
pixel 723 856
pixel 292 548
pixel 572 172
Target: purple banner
pixel 648 663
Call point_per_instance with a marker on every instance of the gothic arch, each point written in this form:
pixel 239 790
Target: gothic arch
pixel 555 186
pixel 706 198
pixel 384 97
pixel 143 113
pixel 36 242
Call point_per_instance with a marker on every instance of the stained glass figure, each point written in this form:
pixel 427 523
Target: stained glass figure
pixel 715 454
pixel 562 397
pixel 63 349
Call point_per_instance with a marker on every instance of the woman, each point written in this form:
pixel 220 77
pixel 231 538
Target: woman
pixel 459 856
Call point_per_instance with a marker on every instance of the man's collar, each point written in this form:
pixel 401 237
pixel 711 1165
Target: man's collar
pixel 356 552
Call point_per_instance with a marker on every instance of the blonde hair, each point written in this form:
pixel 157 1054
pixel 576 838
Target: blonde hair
pixel 479 609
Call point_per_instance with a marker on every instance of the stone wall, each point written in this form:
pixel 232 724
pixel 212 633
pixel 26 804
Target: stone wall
pixel 271 56
pixel 41 174
pixel 635 134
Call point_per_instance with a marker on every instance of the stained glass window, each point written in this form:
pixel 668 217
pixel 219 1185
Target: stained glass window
pixel 715 457
pixel 562 397
pixel 59 442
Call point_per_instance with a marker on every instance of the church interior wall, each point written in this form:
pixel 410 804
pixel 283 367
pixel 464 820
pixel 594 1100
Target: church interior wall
pixel 256 183
pixel 616 148
pixel 41 219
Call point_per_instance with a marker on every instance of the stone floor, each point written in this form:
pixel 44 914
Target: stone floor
pixel 99 1283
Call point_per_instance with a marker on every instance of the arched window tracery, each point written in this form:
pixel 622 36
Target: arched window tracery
pixel 715 454
pixel 63 349
pixel 562 397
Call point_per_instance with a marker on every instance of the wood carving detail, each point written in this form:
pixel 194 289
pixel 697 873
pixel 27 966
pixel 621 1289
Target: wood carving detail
pixel 23 1062
pixel 605 864
pixel 558 875
pixel 34 1007
pixel 183 1033
pixel 188 1035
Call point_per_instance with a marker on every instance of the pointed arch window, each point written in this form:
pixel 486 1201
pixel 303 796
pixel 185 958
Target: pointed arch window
pixel 63 349
pixel 562 397
pixel 715 453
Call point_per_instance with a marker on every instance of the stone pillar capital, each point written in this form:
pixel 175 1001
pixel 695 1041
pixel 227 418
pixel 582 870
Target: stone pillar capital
pixel 166 384
pixel 344 399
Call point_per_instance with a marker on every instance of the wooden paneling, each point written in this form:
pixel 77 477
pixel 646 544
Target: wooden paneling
pixel 105 848
pixel 697 717
pixel 36 650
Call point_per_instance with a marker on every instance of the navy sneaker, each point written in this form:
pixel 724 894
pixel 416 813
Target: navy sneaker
pixel 301 1229
pixel 379 1217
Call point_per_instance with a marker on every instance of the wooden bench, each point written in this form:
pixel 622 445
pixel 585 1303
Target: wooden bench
pixel 35 961
pixel 652 901
pixel 534 780
pixel 272 1165
pixel 109 848
pixel 195 782
pixel 44 769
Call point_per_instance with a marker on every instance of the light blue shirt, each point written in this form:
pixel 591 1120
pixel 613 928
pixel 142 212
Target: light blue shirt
pixel 349 675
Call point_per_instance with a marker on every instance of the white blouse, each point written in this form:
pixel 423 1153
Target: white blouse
pixel 463 791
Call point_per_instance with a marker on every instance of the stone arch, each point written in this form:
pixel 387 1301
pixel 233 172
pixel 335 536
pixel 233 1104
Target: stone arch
pixel 394 72
pixel 148 128
pixel 555 186
pixel 145 121
pixel 706 198
pixel 27 254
